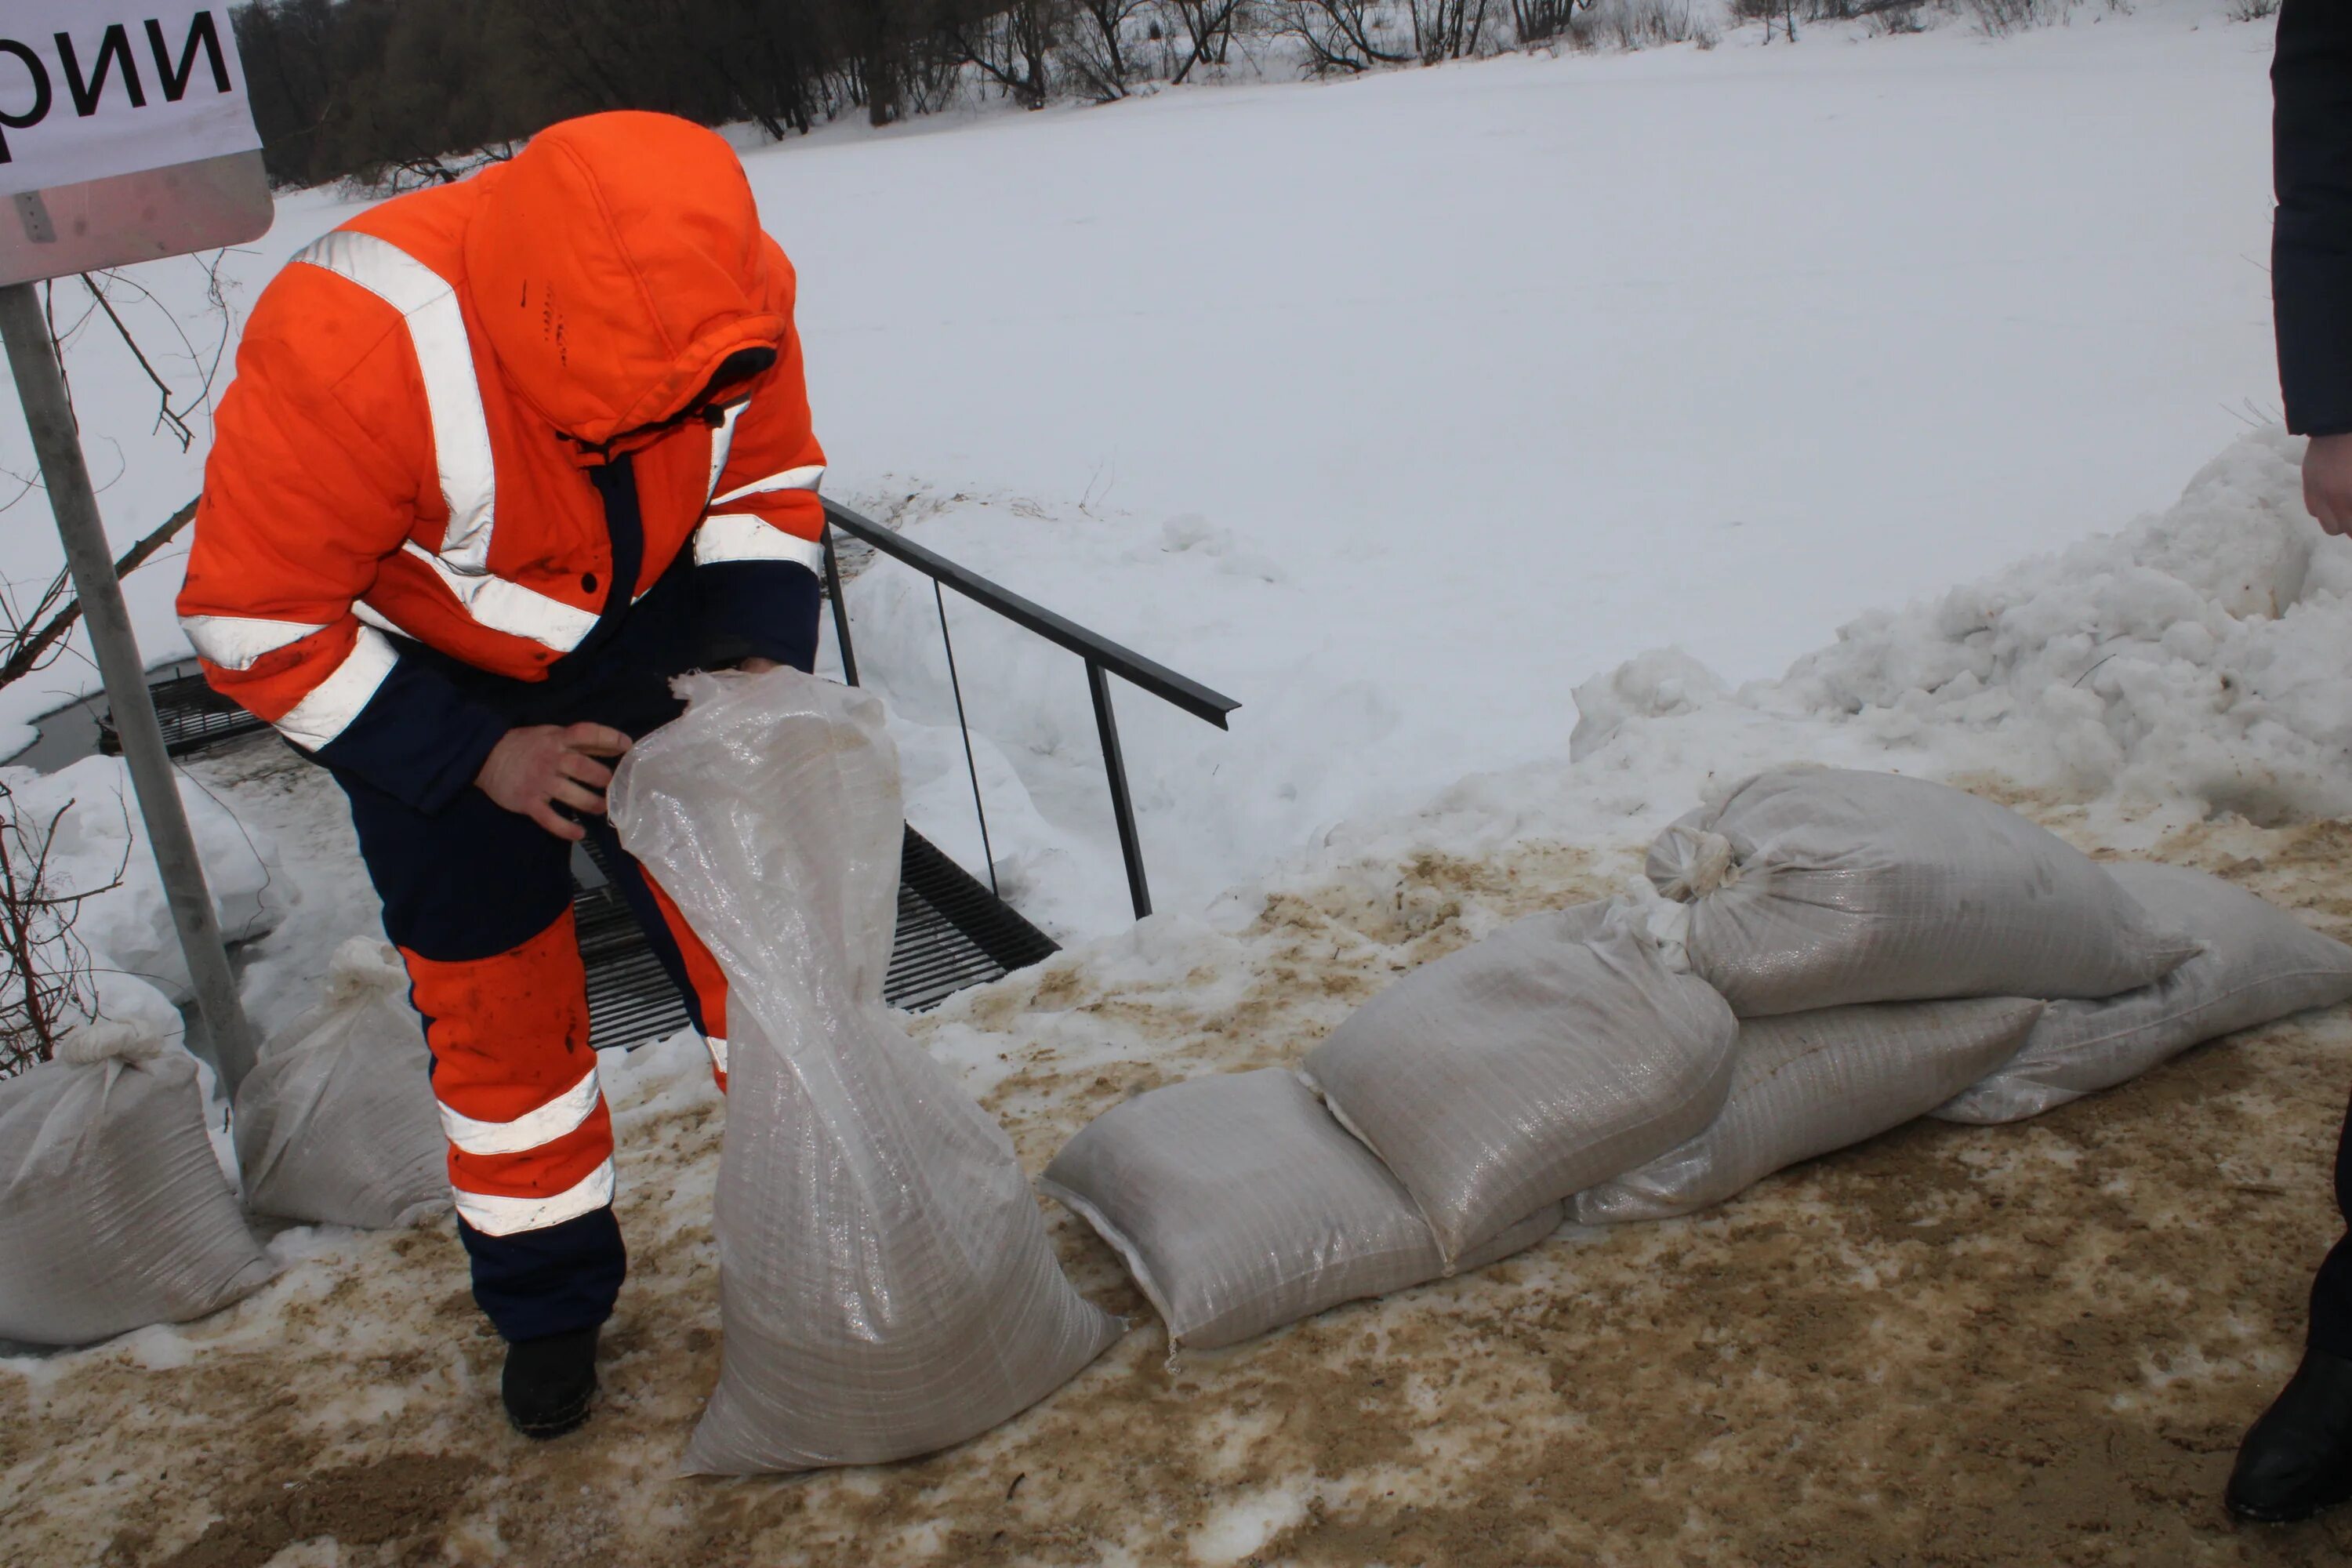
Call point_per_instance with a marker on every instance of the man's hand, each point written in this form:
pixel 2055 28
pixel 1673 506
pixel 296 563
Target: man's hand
pixel 756 666
pixel 2327 482
pixel 533 769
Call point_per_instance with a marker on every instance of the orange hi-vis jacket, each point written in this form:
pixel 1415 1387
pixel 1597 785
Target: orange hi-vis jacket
pixel 408 453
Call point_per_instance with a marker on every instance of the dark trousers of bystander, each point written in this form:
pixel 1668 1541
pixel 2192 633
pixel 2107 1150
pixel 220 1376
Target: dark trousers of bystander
pixel 2331 1293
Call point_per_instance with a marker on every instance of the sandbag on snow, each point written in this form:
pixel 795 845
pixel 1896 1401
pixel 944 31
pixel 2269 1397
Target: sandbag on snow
pixel 337 1122
pixel 2259 963
pixel 886 1284
pixel 1528 1066
pixel 1807 1083
pixel 113 1213
pixel 1822 887
pixel 1240 1206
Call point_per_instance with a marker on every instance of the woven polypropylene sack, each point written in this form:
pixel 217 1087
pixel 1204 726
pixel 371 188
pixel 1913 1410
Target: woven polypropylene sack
pixel 2259 963
pixel 337 1123
pixel 1530 1066
pixel 1823 888
pixel 1807 1083
pixel 114 1214
pixel 886 1283
pixel 1240 1206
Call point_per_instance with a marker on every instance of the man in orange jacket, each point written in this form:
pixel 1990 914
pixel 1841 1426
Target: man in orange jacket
pixel 501 459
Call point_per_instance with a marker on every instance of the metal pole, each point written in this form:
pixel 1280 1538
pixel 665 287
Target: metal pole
pixel 840 611
pixel 1122 810
pixel 48 414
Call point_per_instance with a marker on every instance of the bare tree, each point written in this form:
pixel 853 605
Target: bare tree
pixel 49 984
pixel 1208 26
pixel 1541 21
pixel 32 634
pixel 1339 35
pixel 1446 29
pixel 1097 50
pixel 1013 48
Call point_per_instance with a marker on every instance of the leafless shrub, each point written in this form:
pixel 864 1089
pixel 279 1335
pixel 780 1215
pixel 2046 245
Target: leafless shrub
pixel 1349 35
pixel 1096 53
pixel 37 614
pixel 1013 49
pixel 47 984
pixel 1201 32
pixel 2252 10
pixel 1534 22
pixel 1901 16
pixel 2000 17
pixel 1447 29
pixel 1639 24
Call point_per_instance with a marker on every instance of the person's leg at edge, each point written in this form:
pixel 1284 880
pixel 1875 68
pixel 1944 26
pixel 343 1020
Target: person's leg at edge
pixel 2297 1460
pixel 477 899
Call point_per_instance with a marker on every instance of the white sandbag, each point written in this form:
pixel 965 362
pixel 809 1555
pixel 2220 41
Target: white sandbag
pixel 886 1283
pixel 1504 1077
pixel 1239 1206
pixel 1807 1083
pixel 2259 962
pixel 113 1213
pixel 1822 887
pixel 336 1123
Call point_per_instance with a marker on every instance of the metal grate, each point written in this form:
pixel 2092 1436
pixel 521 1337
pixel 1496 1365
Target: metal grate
pixel 952 934
pixel 193 715
pixel 630 997
pixel 952 931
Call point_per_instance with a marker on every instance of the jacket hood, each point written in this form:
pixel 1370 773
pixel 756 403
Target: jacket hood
pixel 612 264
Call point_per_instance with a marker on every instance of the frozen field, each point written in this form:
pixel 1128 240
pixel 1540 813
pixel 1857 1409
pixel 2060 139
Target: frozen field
pixel 1396 408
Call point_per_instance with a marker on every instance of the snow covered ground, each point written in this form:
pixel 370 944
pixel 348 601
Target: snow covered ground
pixel 1395 408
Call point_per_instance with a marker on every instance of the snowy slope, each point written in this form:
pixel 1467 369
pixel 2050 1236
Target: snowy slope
pixel 1396 408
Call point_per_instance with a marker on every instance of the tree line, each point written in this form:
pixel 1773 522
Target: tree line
pixel 378 88
pixel 390 91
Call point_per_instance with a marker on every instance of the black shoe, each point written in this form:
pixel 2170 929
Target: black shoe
pixel 549 1384
pixel 2297 1460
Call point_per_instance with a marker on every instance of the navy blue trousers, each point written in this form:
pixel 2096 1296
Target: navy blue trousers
pixel 474 880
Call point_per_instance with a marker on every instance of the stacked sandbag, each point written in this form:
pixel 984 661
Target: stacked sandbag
pixel 2257 964
pixel 1548 1057
pixel 337 1124
pixel 1825 888
pixel 1240 1205
pixel 114 1215
pixel 886 1283
pixel 1809 1083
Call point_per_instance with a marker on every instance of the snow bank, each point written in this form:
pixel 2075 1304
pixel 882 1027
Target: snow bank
pixel 2197 660
pixel 2199 655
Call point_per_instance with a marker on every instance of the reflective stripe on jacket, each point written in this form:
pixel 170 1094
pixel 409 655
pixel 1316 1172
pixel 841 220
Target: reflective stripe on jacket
pixel 406 455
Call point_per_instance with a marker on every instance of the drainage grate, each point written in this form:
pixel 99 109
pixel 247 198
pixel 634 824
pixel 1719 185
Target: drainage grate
pixel 952 934
pixel 193 715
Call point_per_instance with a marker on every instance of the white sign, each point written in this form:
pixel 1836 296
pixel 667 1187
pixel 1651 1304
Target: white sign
pixel 92 89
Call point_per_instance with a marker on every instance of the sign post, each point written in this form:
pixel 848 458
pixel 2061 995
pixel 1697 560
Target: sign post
pixel 124 136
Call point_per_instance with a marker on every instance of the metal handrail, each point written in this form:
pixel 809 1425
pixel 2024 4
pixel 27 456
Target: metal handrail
pixel 1103 658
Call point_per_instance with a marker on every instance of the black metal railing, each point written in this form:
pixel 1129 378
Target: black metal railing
pixel 1104 658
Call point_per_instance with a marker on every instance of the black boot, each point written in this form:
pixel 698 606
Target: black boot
pixel 2297 1460
pixel 549 1383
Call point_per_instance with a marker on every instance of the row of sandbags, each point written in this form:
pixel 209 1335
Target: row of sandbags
pixel 1822 956
pixel 114 1212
